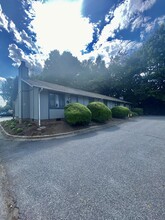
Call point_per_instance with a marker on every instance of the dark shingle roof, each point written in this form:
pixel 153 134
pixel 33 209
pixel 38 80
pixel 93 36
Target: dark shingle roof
pixel 68 90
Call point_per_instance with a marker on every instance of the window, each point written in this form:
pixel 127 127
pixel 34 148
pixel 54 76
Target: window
pixel 56 100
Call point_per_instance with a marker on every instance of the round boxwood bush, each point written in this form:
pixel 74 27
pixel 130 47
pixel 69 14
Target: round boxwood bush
pixel 77 114
pixel 100 112
pixel 120 112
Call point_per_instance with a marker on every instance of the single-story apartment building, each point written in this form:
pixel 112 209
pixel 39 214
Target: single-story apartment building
pixel 39 100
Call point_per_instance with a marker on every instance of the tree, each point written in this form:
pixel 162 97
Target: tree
pixel 92 75
pixel 144 73
pixel 10 90
pixel 138 77
pixel 149 72
pixel 61 69
pixel 67 70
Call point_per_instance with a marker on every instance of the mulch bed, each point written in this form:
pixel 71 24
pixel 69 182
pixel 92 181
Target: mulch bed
pixel 48 127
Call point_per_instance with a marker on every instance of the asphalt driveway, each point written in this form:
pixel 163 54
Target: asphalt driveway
pixel 116 173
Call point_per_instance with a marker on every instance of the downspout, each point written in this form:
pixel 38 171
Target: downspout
pixel 39 107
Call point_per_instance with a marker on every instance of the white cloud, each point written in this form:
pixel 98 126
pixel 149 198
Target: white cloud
pixel 2 102
pixel 3 20
pixel 123 16
pixel 139 22
pixel 109 16
pixel 35 62
pixel 111 49
pixel 15 32
pixel 27 40
pixel 160 20
pixel 60 25
pixel 22 37
pixel 2 80
pixel 16 54
pixel 150 26
pixel 145 5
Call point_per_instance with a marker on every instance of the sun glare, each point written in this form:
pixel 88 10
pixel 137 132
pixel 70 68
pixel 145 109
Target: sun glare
pixel 59 25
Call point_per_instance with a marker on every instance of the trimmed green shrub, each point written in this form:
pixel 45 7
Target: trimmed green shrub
pixel 100 112
pixel 139 111
pixel 77 114
pixel 120 112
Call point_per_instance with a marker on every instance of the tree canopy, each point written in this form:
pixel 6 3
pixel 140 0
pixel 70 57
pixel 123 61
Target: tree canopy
pixel 61 69
pixel 9 90
pixel 138 77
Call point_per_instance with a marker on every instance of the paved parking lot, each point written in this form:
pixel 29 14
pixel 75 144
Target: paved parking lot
pixel 116 173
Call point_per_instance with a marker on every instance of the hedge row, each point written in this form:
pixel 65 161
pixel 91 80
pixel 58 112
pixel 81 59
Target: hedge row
pixel 78 114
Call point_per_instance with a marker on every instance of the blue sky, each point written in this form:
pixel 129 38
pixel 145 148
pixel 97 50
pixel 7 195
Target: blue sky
pixel 30 29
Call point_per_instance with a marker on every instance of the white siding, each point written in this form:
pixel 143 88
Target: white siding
pixel 121 104
pixel 111 104
pixel 16 108
pixel 44 105
pixel 74 99
pixel 25 101
pixel 56 113
pixel 35 103
pixel 67 99
pixel 30 101
pixel 96 100
pixel 128 106
pixel 86 101
pixel 70 98
pixel 31 104
pixel 80 100
pixel 83 100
